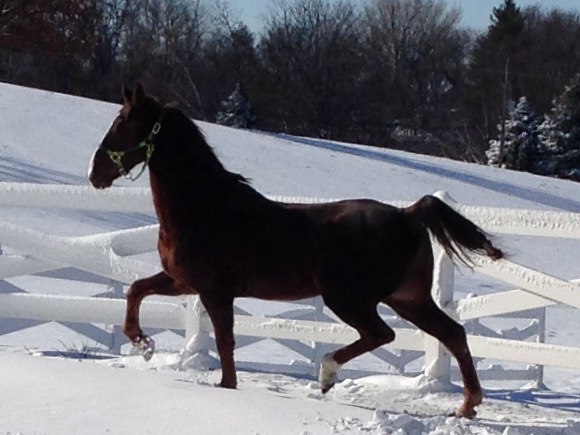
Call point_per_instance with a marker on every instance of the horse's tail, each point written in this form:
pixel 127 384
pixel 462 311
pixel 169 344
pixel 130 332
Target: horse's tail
pixel 457 234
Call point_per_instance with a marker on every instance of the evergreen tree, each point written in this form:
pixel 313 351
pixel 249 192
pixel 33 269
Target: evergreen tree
pixel 507 23
pixel 237 111
pixel 560 135
pixel 494 71
pixel 567 108
pixel 522 142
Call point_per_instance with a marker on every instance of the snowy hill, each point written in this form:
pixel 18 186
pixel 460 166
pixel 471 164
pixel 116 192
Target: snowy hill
pixel 49 138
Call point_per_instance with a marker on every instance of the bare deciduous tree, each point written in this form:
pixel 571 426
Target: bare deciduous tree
pixel 311 60
pixel 417 52
pixel 162 44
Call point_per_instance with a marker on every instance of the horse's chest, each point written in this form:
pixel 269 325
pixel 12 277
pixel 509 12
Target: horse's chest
pixel 181 259
pixel 167 254
pixel 172 267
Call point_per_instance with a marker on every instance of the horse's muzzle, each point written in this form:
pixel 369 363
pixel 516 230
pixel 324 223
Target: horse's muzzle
pixel 100 184
pixel 98 181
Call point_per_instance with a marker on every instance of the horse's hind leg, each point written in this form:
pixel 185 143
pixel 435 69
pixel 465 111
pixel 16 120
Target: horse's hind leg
pixel 427 316
pixel 371 328
pixel 161 284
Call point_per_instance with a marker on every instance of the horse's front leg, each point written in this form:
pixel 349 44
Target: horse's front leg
pixel 159 284
pixel 221 313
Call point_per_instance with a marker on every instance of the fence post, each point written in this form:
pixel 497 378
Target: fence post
pixel 192 317
pixel 115 288
pixel 317 348
pixel 541 338
pixel 198 342
pixel 437 358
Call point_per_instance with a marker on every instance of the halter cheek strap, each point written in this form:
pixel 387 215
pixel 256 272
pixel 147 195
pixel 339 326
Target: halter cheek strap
pixel 147 143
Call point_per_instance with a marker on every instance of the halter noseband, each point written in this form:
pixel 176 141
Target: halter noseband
pixel 117 156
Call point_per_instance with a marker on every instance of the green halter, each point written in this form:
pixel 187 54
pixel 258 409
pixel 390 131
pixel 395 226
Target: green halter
pixel 147 143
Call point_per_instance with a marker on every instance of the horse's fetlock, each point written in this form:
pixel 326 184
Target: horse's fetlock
pixel 132 332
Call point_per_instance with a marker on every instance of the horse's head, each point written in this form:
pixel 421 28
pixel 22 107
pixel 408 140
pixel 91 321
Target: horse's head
pixel 129 140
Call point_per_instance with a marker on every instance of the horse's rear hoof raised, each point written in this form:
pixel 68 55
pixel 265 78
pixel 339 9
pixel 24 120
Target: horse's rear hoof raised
pixel 328 373
pixel 326 388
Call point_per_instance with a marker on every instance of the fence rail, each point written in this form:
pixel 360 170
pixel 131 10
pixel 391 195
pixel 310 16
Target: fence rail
pixel 109 255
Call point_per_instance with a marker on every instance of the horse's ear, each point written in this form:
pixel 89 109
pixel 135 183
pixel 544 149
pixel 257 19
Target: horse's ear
pixel 127 94
pixel 138 93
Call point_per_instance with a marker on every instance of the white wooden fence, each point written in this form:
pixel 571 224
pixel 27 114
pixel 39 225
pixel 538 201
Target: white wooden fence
pixel 307 329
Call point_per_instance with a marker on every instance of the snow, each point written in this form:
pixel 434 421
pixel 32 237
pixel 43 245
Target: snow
pixel 59 396
pixel 49 138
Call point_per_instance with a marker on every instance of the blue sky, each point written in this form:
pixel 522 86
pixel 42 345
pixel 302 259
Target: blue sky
pixel 475 12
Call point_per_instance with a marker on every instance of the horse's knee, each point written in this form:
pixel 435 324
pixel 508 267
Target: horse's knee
pixel 135 290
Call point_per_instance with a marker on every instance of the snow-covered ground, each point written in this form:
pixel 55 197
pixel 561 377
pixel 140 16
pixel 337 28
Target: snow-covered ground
pixel 48 138
pixel 55 396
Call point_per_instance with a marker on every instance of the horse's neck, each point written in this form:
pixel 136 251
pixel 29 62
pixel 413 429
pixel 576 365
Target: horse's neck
pixel 181 196
pixel 188 194
pixel 190 185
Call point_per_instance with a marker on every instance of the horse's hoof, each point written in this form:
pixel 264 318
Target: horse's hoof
pixel 146 346
pixel 148 354
pixel 464 413
pixel 228 385
pixel 328 373
pixel 326 388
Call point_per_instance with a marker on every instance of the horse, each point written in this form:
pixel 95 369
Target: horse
pixel 221 239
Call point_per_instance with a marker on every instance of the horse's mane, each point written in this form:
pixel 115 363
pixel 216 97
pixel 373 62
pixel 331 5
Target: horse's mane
pixel 187 134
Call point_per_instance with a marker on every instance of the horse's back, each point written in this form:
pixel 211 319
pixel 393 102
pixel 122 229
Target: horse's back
pixel 363 222
pixel 366 247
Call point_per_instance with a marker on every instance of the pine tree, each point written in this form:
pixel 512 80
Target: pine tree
pixel 507 23
pixel 522 144
pixel 237 111
pixel 493 76
pixel 560 135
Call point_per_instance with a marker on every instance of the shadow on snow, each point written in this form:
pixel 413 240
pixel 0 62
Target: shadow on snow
pixel 545 198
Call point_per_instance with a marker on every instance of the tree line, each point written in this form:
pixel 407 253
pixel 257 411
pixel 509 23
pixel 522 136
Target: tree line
pixel 545 144
pixel 401 74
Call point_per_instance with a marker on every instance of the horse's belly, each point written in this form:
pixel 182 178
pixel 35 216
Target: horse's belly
pixel 278 284
pixel 276 292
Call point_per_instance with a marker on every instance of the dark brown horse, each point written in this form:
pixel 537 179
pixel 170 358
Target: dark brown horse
pixel 221 239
